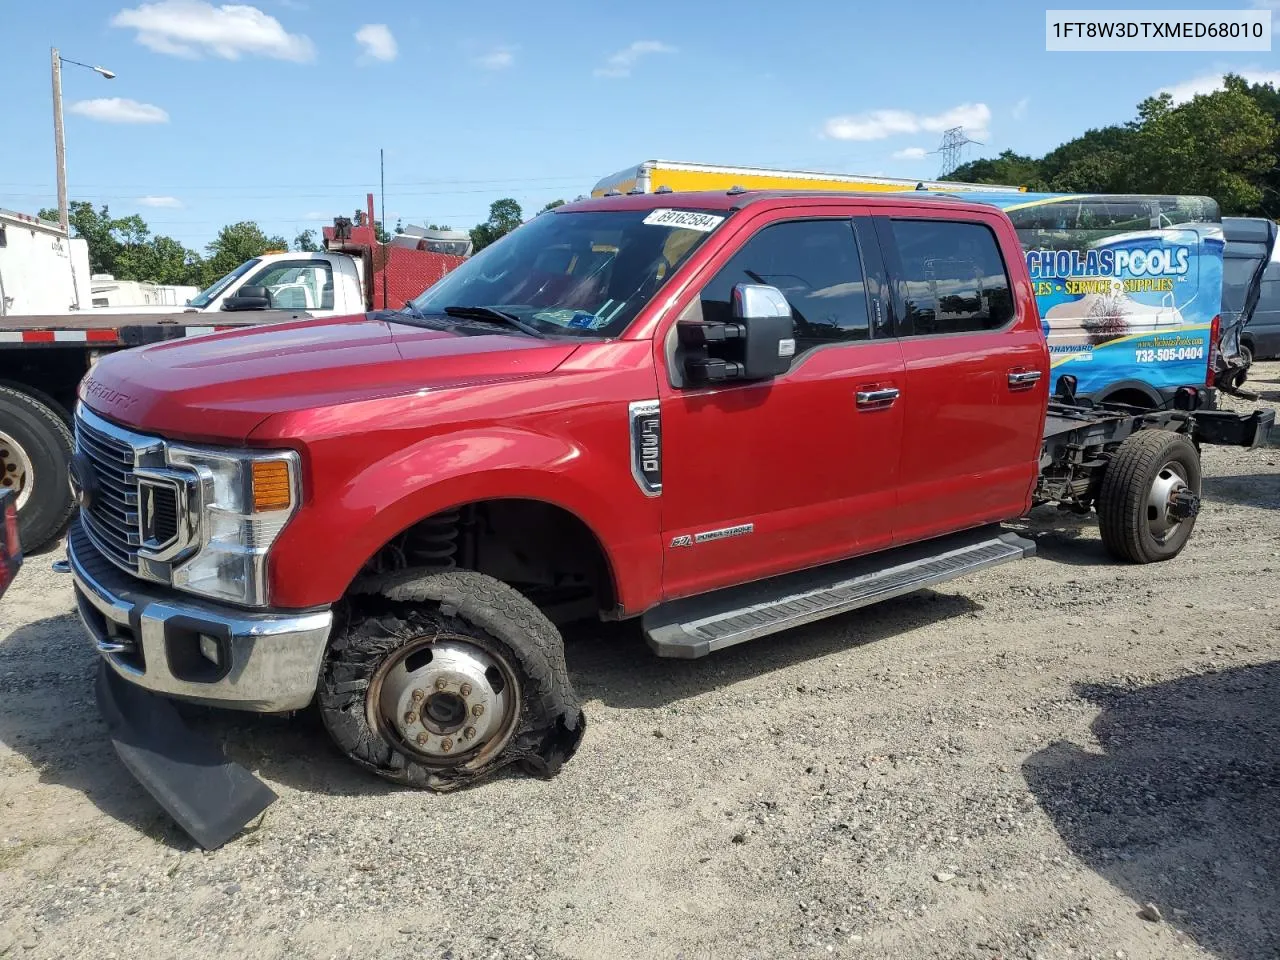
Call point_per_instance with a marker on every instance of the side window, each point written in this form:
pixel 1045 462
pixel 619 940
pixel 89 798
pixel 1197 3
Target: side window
pixel 297 285
pixel 815 264
pixel 951 277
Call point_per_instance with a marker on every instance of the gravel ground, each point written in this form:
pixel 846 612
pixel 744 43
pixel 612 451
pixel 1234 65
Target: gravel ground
pixel 1063 757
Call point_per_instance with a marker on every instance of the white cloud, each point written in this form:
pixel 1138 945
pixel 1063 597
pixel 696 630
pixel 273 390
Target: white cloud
pixel 119 110
pixel 879 124
pixel 1209 82
pixel 499 58
pixel 910 153
pixel 1019 111
pixel 377 41
pixel 171 202
pixel 192 28
pixel 620 64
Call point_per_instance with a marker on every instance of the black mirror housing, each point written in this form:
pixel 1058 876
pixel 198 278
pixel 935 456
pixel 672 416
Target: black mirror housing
pixel 249 298
pixel 758 345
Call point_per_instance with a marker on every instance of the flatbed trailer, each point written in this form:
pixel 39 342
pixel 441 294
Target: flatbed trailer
pixel 42 360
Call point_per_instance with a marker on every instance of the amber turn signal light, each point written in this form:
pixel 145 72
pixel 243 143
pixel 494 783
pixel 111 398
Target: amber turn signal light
pixel 271 487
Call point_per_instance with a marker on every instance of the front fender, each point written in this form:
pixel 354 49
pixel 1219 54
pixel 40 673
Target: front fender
pixel 352 514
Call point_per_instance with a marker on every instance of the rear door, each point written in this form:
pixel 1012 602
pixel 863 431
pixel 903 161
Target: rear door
pixel 975 381
pixel 764 478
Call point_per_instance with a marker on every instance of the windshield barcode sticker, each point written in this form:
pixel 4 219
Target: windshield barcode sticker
pixel 684 219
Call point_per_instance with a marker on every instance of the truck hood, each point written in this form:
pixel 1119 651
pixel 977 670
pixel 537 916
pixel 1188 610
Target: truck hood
pixel 217 388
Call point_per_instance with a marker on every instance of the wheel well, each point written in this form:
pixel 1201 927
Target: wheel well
pixel 540 549
pixel 48 374
pixel 1133 397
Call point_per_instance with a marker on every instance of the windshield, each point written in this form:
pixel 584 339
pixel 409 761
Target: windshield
pixel 584 274
pixel 211 292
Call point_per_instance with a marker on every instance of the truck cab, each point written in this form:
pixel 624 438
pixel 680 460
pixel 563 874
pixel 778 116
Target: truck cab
pixel 323 284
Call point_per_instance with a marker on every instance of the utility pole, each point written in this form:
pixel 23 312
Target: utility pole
pixel 59 143
pixel 952 149
pixel 59 140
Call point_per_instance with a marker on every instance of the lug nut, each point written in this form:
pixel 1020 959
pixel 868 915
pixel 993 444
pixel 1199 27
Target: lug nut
pixel 441 683
pixel 422 739
pixel 410 717
pixel 478 710
pixel 465 689
pixel 469 733
pixel 418 696
pixel 446 744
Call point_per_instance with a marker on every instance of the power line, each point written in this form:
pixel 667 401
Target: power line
pixel 531 182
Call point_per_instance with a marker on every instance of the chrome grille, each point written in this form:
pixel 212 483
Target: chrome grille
pixel 111 521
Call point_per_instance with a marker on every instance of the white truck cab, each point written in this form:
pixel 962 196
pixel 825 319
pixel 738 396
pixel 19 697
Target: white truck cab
pixel 323 284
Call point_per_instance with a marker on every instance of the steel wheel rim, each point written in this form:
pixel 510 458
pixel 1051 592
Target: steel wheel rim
pixel 15 469
pixel 445 701
pixel 1170 480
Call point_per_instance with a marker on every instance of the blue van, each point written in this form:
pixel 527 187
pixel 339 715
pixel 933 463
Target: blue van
pixel 1129 288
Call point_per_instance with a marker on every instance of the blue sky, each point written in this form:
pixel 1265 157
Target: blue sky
pixel 275 112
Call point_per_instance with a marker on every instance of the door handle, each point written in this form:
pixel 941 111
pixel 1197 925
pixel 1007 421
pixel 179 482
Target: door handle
pixel 1024 378
pixel 879 397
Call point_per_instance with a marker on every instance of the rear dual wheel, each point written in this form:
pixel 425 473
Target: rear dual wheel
pixel 446 678
pixel 1150 496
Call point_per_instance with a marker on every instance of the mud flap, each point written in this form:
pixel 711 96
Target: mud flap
pixel 210 797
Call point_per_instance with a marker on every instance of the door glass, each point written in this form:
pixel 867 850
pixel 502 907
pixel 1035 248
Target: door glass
pixel 297 285
pixel 815 264
pixel 951 277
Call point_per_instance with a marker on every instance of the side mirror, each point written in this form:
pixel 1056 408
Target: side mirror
pixel 758 345
pixel 249 298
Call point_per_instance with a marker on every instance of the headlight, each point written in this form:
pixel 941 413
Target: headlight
pixel 247 498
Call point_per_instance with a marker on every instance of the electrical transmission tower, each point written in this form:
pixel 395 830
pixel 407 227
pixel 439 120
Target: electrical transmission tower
pixel 952 149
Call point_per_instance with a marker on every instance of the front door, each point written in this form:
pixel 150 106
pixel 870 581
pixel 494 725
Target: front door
pixel 764 478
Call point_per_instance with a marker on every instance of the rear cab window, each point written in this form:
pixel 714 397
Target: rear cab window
pixel 949 277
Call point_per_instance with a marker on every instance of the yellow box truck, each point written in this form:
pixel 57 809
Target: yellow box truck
pixel 652 175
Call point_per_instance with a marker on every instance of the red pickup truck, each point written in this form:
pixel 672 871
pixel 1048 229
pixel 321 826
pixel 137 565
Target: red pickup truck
pixel 722 413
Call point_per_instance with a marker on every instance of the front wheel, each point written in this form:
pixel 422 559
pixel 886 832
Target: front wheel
pixel 447 677
pixel 1150 496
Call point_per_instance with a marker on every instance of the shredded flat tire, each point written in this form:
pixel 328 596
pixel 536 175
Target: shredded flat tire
pixel 488 614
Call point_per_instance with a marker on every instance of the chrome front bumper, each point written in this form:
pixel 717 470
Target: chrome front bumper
pixel 155 637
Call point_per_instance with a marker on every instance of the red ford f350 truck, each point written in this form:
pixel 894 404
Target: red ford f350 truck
pixel 723 413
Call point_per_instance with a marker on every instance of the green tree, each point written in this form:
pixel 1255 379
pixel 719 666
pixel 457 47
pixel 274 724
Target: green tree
pixel 305 242
pixel 1219 144
pixel 1097 161
pixel 161 259
pixel 1267 97
pixel 125 247
pixel 234 244
pixel 1223 144
pixel 1009 168
pixel 552 205
pixel 504 216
